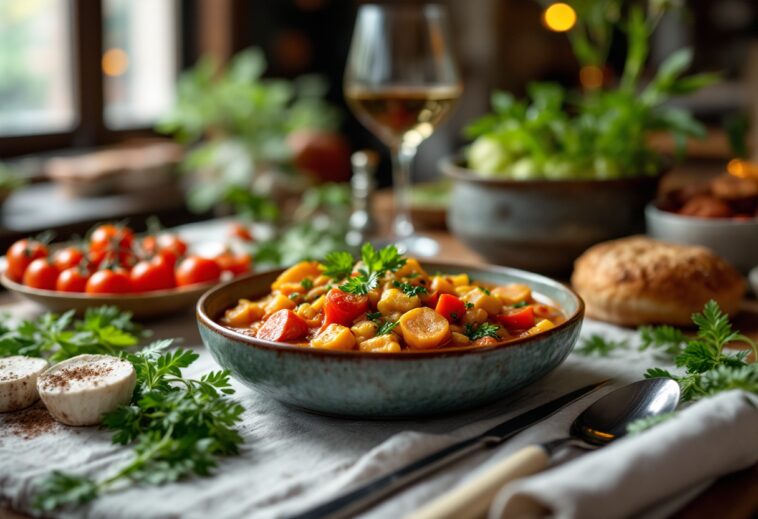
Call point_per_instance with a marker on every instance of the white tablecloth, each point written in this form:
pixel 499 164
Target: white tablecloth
pixel 293 460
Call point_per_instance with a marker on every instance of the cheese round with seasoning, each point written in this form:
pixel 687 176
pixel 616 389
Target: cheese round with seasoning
pixel 80 390
pixel 18 381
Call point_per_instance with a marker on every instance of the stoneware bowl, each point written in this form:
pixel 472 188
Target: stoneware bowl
pixel 542 225
pixel 374 385
pixel 734 240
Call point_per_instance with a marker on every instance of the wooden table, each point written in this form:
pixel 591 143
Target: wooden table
pixel 731 497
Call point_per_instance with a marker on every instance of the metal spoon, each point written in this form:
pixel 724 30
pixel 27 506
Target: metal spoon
pixel 601 423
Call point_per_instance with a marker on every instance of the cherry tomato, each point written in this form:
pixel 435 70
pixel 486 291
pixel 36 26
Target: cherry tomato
pixel 67 257
pixel 237 264
pixel 154 274
pixel 283 325
pixel 73 279
pixel 112 244
pixel 342 308
pixel 518 318
pixel 167 245
pixel 196 269
pixel 21 254
pixel 450 307
pixel 240 231
pixel 109 281
pixel 41 274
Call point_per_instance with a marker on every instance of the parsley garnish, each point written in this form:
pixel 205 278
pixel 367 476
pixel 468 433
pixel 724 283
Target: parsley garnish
pixel 474 332
pixel 468 305
pixel 179 426
pixel 410 290
pixel 294 295
pixel 374 316
pixel 338 264
pixel 599 346
pixel 386 327
pixel 708 369
pixel 486 291
pixel 104 330
pixel 375 264
pixel 520 304
pixel 307 284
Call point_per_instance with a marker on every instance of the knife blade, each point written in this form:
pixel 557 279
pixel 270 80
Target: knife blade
pixel 367 494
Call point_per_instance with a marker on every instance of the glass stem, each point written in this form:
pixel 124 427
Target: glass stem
pixel 402 158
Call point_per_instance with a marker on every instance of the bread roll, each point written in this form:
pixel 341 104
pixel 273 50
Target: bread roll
pixel 637 280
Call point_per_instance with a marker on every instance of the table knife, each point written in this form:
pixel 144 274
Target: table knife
pixel 367 494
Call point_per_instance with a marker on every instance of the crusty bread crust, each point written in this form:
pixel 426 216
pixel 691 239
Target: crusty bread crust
pixel 637 280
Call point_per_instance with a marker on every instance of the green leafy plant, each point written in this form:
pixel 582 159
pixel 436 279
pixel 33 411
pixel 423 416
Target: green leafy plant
pixel 237 122
pixel 103 330
pixel 376 263
pixel 598 134
pixel 598 346
pixel 179 426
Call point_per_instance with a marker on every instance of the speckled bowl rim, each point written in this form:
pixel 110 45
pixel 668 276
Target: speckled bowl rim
pixel 653 211
pixel 205 320
pixel 452 167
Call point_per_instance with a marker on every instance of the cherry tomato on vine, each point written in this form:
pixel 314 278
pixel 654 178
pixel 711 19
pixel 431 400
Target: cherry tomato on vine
pixel 109 281
pixel 196 269
pixel 67 257
pixel 153 274
pixel 237 264
pixel 170 246
pixel 73 279
pixel 111 243
pixel 41 274
pixel 240 231
pixel 21 254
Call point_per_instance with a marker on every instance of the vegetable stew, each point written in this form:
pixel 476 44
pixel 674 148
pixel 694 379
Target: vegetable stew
pixel 387 303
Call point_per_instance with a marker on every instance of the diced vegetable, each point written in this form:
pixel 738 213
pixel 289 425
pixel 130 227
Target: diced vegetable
pixel 411 267
pixel 342 308
pixel 450 307
pixel 334 337
pixel 443 285
pixel 364 330
pixel 459 280
pixel 541 326
pixel 519 319
pixel 279 302
pixel 283 326
pixel 297 273
pixel 382 344
pixel 244 313
pixel 487 302
pixel 394 300
pixel 424 329
pixel 512 294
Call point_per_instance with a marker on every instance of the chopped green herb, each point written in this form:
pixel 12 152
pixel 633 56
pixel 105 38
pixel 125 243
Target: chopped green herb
pixel 410 290
pixel 486 291
pixel 338 264
pixel 361 284
pixel 412 275
pixel 374 316
pixel 475 332
pixel 386 327
pixel 469 306
pixel 520 304
pixel 375 265
pixel 307 284
pixel 599 346
pixel 294 296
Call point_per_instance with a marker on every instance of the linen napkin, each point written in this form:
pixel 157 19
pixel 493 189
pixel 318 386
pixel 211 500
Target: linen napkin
pixel 711 438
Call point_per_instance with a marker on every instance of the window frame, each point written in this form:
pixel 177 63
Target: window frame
pixel 89 128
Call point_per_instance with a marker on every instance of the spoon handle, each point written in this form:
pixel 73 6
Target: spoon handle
pixel 473 498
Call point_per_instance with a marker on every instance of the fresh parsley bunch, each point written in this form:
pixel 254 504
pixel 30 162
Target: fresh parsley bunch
pixel 179 426
pixel 104 330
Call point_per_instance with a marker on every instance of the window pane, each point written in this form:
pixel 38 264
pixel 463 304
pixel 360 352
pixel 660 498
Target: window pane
pixel 139 60
pixel 35 67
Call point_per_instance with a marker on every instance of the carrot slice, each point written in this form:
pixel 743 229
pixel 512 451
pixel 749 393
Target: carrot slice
pixel 282 326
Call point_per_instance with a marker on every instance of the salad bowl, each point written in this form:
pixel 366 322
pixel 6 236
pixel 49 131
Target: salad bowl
pixel 389 385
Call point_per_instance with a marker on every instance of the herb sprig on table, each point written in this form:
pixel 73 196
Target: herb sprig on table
pixel 179 426
pixel 104 330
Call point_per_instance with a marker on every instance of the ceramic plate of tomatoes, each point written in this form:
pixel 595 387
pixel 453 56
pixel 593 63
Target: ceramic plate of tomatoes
pixel 150 275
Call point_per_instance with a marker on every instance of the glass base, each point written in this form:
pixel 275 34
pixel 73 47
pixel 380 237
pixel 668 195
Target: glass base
pixel 414 245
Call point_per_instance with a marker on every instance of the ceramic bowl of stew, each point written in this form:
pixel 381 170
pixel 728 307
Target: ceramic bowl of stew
pixel 405 384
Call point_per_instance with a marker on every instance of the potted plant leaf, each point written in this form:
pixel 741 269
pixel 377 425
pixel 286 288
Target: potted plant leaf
pixel 548 176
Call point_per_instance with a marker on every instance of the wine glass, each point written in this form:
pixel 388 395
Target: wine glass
pixel 400 82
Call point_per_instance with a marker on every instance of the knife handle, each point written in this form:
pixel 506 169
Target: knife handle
pixel 473 498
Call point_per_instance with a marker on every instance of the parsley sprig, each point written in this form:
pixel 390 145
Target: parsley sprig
pixel 103 330
pixel 598 346
pixel 179 426
pixel 375 265
pixel 386 327
pixel 707 368
pixel 410 290
pixel 474 332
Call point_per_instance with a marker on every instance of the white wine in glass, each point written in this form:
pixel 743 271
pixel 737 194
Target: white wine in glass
pixel 401 81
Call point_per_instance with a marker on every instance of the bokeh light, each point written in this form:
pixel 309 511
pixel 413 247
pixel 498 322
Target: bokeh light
pixel 559 17
pixel 115 62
